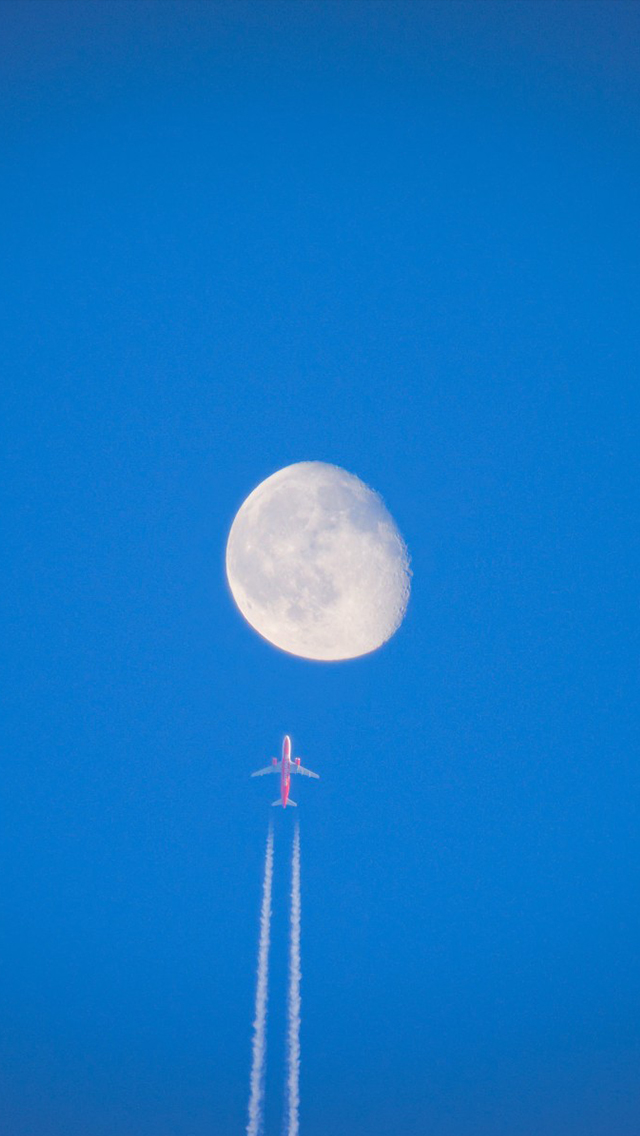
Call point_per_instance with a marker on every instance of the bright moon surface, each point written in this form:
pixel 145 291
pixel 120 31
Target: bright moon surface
pixel 316 564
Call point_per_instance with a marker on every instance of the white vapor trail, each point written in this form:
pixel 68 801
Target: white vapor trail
pixel 292 1117
pixel 259 1042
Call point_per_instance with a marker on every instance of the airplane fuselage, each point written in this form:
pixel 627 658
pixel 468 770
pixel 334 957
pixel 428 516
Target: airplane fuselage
pixel 285 773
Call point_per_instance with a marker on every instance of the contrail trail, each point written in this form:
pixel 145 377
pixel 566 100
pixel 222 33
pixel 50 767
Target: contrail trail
pixel 292 1117
pixel 259 1042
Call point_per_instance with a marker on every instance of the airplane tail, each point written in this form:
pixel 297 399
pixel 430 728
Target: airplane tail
pixel 279 802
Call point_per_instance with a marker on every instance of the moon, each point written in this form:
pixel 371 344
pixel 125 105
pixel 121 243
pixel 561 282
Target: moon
pixel 316 564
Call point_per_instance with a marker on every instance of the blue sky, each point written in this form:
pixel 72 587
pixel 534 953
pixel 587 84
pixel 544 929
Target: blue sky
pixel 402 238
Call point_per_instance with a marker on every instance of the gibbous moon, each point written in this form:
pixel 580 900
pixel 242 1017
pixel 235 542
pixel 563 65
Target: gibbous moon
pixel 316 564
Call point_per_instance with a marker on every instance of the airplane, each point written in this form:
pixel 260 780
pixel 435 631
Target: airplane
pixel 285 767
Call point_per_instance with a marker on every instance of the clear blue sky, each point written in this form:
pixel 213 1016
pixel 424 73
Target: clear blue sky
pixel 401 237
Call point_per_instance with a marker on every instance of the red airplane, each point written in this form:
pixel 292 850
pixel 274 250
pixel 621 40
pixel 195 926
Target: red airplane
pixel 285 767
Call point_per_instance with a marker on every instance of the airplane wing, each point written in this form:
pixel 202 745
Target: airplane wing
pixel 269 769
pixel 306 772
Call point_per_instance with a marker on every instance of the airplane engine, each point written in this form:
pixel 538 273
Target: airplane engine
pixel 297 760
pixel 274 761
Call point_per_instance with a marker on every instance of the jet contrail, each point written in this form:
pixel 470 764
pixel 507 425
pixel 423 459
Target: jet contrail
pixel 292 1115
pixel 259 1043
